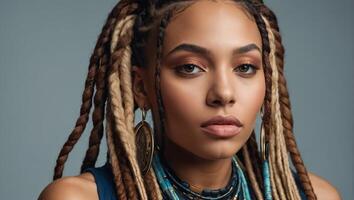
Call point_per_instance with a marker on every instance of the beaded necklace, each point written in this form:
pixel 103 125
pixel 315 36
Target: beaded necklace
pixel 175 189
pixel 183 188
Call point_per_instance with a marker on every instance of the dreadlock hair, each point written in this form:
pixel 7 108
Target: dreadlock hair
pixel 284 103
pixel 109 82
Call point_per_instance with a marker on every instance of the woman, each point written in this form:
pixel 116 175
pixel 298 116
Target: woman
pixel 205 69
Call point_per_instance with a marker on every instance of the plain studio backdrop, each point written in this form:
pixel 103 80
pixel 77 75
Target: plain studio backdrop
pixel 44 53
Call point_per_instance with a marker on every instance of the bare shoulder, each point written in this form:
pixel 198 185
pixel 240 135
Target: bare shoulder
pixel 323 189
pixel 71 188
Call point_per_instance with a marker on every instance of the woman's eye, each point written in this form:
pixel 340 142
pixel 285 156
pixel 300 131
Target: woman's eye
pixel 247 69
pixel 188 69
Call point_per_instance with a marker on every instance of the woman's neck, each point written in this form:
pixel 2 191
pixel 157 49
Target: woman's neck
pixel 197 172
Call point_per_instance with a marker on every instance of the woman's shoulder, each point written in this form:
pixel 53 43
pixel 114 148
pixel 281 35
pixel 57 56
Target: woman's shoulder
pixel 78 187
pixel 323 189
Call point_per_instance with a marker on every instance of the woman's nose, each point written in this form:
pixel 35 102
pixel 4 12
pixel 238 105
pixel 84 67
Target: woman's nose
pixel 221 92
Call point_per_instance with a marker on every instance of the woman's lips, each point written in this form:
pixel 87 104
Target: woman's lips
pixel 222 127
pixel 222 131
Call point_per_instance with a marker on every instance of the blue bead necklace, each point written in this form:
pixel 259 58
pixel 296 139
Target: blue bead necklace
pixel 169 184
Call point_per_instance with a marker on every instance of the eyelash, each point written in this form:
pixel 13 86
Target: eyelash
pixel 181 69
pixel 253 67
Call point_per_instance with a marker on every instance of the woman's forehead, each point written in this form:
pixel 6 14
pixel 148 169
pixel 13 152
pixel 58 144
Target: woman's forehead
pixel 214 24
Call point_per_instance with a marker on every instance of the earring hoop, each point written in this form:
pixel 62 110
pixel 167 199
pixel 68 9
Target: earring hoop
pixel 262 141
pixel 144 141
pixel 265 163
pixel 262 138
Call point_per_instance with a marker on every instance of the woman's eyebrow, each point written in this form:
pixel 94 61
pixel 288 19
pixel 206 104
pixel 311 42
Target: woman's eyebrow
pixel 205 52
pixel 190 48
pixel 245 49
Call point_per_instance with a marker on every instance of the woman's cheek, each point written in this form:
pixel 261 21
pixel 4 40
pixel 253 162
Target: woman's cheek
pixel 182 99
pixel 251 100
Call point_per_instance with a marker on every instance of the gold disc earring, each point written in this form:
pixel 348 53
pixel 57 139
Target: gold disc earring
pixel 144 141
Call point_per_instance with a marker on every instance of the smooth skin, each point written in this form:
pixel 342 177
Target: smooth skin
pixel 211 65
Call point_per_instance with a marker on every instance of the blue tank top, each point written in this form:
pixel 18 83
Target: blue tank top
pixel 104 180
pixel 106 188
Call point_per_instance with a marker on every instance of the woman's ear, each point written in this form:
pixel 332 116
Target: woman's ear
pixel 139 88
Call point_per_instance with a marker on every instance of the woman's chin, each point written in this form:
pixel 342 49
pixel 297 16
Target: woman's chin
pixel 216 152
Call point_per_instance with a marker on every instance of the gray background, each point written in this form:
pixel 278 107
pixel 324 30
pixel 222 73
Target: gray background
pixel 44 52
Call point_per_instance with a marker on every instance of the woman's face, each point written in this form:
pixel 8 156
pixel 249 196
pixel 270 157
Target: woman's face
pixel 211 67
